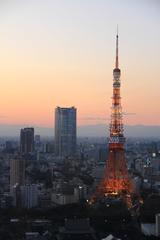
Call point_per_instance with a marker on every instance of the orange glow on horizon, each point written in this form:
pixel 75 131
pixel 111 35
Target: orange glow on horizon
pixel 61 62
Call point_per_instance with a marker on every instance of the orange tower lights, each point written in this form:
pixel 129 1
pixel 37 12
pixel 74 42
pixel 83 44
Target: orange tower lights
pixel 116 180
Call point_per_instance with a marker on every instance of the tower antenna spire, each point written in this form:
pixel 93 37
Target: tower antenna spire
pixel 116 181
pixel 117 63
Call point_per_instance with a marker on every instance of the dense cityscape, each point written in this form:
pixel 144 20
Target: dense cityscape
pixel 78 188
pixel 56 190
pixel 63 186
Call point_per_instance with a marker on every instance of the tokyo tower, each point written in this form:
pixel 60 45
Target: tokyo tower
pixel 116 181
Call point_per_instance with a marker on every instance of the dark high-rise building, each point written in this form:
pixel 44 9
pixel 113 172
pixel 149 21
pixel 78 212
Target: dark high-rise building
pixel 17 171
pixel 65 131
pixel 27 140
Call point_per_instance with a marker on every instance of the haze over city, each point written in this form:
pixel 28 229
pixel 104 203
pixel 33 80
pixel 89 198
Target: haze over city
pixel 61 53
pixel 79 120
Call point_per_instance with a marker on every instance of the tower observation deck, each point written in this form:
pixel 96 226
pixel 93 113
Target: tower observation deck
pixel 116 181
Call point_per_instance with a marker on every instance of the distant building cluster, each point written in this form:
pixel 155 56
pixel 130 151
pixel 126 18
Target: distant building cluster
pixel 26 194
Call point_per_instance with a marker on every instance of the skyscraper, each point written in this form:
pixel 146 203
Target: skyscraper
pixel 27 140
pixel 65 131
pixel 17 171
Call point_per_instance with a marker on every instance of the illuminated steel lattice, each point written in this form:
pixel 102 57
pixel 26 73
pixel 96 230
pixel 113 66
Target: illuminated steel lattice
pixel 116 180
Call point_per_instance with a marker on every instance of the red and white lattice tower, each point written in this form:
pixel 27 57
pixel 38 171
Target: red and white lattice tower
pixel 116 180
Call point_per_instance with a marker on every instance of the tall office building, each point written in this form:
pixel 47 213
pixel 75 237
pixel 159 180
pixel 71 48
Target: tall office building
pixel 17 171
pixel 65 131
pixel 27 140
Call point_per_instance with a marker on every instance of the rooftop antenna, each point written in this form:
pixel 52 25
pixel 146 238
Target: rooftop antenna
pixel 117 64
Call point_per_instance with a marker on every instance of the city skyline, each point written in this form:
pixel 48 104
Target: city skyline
pixel 60 54
pixel 79 119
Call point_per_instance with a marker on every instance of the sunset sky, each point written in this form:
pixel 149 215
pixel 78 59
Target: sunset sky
pixel 62 53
